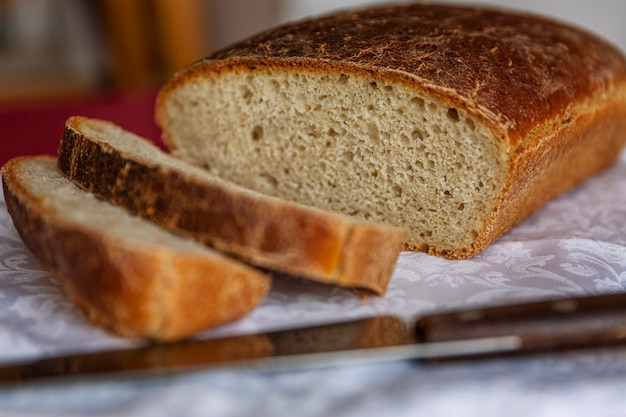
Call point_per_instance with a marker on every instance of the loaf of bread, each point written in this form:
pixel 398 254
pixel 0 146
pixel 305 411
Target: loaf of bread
pixel 267 232
pixel 456 122
pixel 128 274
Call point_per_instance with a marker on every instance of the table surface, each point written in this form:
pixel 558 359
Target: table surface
pixel 575 245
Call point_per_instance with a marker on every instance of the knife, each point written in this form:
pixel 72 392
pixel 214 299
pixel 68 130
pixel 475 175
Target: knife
pixel 541 326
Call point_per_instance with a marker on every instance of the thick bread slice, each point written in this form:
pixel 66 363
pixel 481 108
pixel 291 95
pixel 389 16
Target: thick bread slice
pixel 268 232
pixel 128 274
pixel 457 122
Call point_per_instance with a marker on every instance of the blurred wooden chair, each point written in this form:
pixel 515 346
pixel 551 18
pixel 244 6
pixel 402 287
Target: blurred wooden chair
pixel 149 40
pixel 77 47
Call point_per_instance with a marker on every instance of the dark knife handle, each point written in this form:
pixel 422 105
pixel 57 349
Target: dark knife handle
pixel 540 326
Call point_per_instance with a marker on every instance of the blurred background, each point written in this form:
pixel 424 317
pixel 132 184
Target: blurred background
pixel 52 48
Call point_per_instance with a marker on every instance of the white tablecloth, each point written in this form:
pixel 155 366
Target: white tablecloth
pixel 575 245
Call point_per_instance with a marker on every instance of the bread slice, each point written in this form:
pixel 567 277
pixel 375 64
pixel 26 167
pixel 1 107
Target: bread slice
pixel 267 232
pixel 128 274
pixel 456 122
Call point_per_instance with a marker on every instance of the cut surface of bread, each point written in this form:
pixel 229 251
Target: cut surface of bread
pixel 268 232
pixel 128 274
pixel 456 122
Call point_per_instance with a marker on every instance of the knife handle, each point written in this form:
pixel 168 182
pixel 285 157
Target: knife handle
pixel 539 326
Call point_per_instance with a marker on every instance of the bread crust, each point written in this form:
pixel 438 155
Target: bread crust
pixel 568 155
pixel 552 95
pixel 264 231
pixel 134 290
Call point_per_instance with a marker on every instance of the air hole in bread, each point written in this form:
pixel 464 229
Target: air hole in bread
pixel 247 95
pixel 257 133
pixel 270 180
pixel 453 115
pixel 418 102
pixel 373 133
pixel 417 134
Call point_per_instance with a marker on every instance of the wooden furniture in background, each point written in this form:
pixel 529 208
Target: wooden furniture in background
pixel 60 48
pixel 148 40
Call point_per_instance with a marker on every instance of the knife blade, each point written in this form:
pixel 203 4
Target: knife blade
pixel 462 334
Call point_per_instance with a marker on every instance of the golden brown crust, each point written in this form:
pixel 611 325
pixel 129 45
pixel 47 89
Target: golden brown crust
pixel 554 95
pixel 572 152
pixel 133 290
pixel 366 251
pixel 568 154
pixel 267 232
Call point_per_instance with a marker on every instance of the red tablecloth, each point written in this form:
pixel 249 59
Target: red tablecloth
pixel 36 128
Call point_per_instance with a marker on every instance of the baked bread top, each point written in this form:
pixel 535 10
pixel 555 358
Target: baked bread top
pixel 514 71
